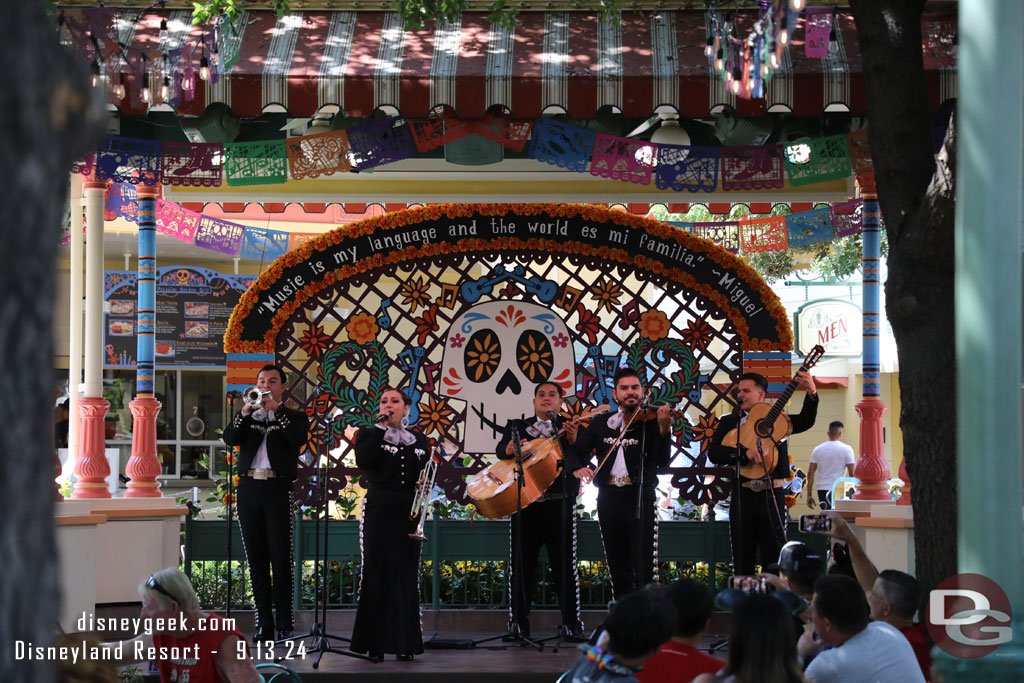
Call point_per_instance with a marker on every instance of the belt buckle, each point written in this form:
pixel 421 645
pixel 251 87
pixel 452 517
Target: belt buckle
pixel 757 485
pixel 620 480
pixel 260 473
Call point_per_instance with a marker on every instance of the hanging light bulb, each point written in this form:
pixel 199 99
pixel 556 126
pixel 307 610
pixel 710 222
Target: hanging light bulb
pixel 783 36
pixel 764 70
pixel 214 53
pixel 720 59
pixel 710 46
pixel 797 4
pixel 165 88
pixel 95 67
pixel 735 87
pixel 163 30
pixel 204 68
pixel 775 61
pixel 146 95
pixel 119 90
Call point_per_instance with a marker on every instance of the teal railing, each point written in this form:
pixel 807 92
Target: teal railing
pixel 470 558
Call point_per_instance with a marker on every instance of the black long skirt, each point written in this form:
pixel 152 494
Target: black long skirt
pixel 388 616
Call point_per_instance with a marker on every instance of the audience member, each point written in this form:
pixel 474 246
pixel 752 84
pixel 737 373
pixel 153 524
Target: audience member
pixel 893 595
pixel 863 651
pixel 679 660
pixel 188 643
pixel 799 568
pixel 762 645
pixel 637 626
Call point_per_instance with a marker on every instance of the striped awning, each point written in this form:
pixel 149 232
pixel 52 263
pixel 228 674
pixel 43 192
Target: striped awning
pixel 362 60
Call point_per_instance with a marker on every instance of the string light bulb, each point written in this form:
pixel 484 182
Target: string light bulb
pixel 204 68
pixel 775 61
pixel 784 36
pixel 797 4
pixel 95 67
pixel 735 87
pixel 119 90
pixel 764 70
pixel 709 47
pixel 720 59
pixel 165 88
pixel 163 30
pixel 146 95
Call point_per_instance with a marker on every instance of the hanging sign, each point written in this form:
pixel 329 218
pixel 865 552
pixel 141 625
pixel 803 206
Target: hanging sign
pixel 832 323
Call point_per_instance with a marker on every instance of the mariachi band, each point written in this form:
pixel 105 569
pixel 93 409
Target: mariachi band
pixel 542 460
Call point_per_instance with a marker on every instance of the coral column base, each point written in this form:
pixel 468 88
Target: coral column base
pixel 143 467
pixel 92 468
pixel 872 470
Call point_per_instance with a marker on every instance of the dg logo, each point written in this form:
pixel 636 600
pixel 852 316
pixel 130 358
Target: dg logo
pixel 968 616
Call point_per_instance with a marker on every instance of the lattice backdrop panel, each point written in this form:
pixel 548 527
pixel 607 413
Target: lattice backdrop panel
pixel 406 327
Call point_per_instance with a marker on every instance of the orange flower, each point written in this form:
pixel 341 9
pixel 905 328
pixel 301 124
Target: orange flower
pixel 362 328
pixel 654 325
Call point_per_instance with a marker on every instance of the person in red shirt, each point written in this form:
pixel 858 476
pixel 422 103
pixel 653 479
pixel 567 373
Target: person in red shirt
pixel 893 599
pixel 191 646
pixel 679 660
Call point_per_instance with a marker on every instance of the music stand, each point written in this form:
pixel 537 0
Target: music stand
pixel 318 629
pixel 514 635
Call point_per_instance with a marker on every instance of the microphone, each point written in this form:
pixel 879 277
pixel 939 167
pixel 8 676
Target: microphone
pixel 551 416
pixel 383 417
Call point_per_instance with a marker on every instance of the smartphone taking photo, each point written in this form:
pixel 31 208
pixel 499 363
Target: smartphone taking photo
pixel 816 523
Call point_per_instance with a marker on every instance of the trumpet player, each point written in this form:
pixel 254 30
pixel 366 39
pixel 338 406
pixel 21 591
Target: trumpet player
pixel 269 435
pixel 391 457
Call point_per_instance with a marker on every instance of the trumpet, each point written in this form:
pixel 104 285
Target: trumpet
pixel 424 491
pixel 253 396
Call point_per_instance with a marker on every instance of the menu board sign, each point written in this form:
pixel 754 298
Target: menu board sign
pixel 193 306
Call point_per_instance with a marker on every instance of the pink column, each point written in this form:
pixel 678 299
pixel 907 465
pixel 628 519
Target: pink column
pixel 143 467
pixel 92 468
pixel 871 469
pixel 905 491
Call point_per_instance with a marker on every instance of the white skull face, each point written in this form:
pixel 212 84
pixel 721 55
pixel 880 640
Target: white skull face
pixel 494 356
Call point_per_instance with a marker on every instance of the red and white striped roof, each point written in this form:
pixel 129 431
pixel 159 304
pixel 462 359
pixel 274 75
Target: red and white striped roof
pixel 362 60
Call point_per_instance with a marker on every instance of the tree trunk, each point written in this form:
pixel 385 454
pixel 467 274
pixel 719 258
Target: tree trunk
pixel 916 195
pixel 47 118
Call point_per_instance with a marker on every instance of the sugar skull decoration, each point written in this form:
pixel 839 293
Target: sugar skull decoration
pixel 494 355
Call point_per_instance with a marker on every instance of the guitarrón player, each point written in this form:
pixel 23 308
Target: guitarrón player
pixel 757 514
pixel 549 521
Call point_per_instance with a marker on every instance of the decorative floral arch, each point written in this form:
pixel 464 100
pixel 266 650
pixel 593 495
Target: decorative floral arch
pixel 398 299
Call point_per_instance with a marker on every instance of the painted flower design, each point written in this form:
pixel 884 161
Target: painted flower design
pixel 362 328
pixel 533 353
pixel 414 293
pixel 704 430
pixel 560 340
pixel 435 416
pixel 654 325
pixel 456 341
pixel 314 341
pixel 697 334
pixel 588 324
pixel 482 356
pixel 607 294
pixel 426 323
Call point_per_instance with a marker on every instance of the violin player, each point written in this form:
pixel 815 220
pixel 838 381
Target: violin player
pixel 757 513
pixel 635 441
pixel 549 521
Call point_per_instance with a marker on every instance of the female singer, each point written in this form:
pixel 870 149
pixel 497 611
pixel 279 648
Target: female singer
pixel 391 457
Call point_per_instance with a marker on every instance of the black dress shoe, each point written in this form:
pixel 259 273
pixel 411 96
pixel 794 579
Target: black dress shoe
pixel 404 658
pixel 571 635
pixel 376 656
pixel 262 635
pixel 284 633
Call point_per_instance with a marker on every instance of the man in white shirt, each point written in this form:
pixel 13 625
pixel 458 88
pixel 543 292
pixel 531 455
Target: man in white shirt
pixel 828 460
pixel 863 651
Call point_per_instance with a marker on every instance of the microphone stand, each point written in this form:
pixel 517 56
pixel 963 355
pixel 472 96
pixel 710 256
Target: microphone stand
pixel 518 581
pixel 738 526
pixel 229 503
pixel 317 630
pixel 642 542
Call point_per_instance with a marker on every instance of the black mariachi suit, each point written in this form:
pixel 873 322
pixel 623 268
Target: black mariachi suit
pixel 549 521
pixel 388 615
pixel 616 506
pixel 758 518
pixel 264 508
